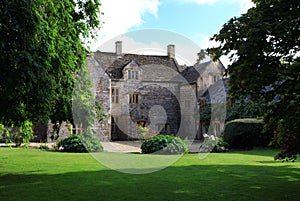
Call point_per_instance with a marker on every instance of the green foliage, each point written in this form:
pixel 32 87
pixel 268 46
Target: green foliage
pixel 245 134
pixel 144 132
pixel 79 143
pixel 83 101
pixel 19 135
pixel 245 110
pixel 164 144
pixel 237 111
pixel 201 56
pixel 85 108
pixel 287 130
pixel 41 53
pixel 141 132
pixel 263 45
pixel 2 129
pixel 213 144
pixel 43 147
pixel 99 108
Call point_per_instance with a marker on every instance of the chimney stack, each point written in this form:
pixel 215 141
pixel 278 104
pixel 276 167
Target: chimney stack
pixel 119 49
pixel 171 51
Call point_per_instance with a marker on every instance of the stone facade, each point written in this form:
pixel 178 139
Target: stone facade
pixel 146 90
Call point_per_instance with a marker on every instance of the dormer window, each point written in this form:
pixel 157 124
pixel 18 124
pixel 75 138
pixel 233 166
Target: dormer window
pixel 132 74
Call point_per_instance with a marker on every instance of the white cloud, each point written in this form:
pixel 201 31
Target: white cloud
pixel 205 42
pixel 244 4
pixel 184 55
pixel 119 16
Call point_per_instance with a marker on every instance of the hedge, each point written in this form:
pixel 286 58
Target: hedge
pixel 245 134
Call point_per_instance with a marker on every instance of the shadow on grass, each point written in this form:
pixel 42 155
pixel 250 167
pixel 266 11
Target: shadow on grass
pixel 259 151
pixel 197 182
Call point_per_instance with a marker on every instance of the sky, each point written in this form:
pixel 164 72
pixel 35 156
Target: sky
pixel 142 24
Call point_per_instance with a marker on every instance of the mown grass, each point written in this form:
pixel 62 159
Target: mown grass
pixel 44 175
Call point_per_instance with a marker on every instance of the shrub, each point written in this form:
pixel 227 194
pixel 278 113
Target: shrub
pixel 245 134
pixel 19 135
pixel 213 144
pixel 75 143
pixel 164 144
pixel 44 147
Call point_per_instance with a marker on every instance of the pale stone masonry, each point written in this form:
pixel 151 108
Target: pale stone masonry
pixel 147 90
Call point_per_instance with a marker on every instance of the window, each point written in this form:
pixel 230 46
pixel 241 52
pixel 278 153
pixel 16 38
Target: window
pixel 115 95
pixel 132 75
pixel 211 79
pixel 215 78
pixel 134 98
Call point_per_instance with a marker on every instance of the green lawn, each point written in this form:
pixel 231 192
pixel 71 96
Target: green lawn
pixel 44 175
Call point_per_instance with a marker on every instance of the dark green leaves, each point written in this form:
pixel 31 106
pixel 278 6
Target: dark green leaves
pixel 41 51
pixel 265 68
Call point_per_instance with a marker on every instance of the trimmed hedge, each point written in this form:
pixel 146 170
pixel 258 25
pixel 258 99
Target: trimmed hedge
pixel 245 134
pixel 164 144
pixel 75 143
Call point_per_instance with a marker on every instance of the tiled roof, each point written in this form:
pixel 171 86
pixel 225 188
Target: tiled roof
pixel 217 90
pixel 115 69
pixel 192 73
pixel 105 59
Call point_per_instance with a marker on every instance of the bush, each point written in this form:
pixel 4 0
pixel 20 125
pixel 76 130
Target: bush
pixel 18 135
pixel 213 144
pixel 75 143
pixel 44 147
pixel 245 134
pixel 164 144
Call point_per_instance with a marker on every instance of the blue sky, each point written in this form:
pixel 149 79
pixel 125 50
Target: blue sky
pixel 197 20
pixel 190 19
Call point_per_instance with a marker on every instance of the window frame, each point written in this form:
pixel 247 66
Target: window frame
pixel 134 98
pixel 133 74
pixel 115 95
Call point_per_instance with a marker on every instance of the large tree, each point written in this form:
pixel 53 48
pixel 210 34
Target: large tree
pixel 264 47
pixel 41 52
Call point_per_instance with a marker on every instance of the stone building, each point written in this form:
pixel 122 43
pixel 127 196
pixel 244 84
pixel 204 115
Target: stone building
pixel 148 91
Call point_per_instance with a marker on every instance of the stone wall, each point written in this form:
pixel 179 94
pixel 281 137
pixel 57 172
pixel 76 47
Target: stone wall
pixel 159 102
pixel 101 90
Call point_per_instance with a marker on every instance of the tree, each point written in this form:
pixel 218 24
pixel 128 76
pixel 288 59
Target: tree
pixel 240 110
pixel 263 45
pixel 41 52
pixel 201 56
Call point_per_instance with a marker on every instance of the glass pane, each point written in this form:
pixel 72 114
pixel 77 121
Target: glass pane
pixel 136 75
pixel 129 74
pixel 137 98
